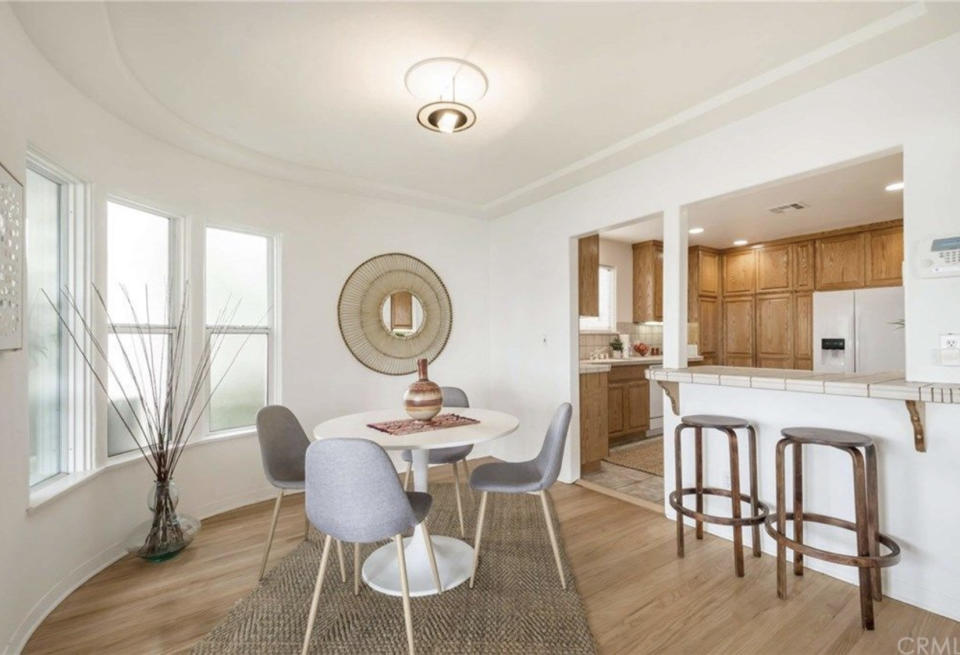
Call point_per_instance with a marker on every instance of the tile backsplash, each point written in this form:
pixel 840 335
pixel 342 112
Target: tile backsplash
pixel 652 335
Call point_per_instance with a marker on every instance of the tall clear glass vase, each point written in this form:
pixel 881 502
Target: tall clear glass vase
pixel 168 532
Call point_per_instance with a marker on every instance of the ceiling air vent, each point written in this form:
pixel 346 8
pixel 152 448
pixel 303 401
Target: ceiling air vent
pixel 789 207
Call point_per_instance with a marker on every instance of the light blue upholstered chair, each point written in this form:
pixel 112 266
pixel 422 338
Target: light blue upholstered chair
pixel 452 397
pixel 283 446
pixel 535 476
pixel 353 495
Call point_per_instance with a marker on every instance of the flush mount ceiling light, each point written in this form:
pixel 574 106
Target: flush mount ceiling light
pixel 449 84
pixel 896 186
pixel 740 242
pixel 695 230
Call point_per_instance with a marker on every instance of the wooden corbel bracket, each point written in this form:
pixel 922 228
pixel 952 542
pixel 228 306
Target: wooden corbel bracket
pixel 672 390
pixel 917 417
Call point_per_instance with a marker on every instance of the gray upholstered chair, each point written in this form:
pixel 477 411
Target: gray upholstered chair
pixel 353 495
pixel 535 476
pixel 452 397
pixel 283 445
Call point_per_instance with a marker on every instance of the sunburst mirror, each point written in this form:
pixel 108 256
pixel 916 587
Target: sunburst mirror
pixel 394 309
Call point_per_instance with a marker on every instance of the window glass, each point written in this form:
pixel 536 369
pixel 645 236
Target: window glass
pixel 243 392
pixel 236 274
pixel 138 261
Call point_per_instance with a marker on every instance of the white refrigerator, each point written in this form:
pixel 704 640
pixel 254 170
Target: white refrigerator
pixel 858 331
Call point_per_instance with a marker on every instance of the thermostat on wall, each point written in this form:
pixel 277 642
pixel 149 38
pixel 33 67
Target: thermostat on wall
pixel 939 257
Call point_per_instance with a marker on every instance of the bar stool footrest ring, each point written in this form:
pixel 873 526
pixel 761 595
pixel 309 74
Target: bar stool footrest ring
pixel 861 561
pixel 762 510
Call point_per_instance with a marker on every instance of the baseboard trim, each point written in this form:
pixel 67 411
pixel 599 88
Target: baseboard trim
pixel 56 595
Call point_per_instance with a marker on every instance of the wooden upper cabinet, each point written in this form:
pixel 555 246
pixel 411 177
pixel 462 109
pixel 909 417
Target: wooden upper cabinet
pixel 884 257
pixel 738 326
pixel 773 268
pixel 775 323
pixel 647 281
pixel 803 331
pixel 708 274
pixel 803 274
pixel 589 274
pixel 739 272
pixel 840 262
pixel 709 326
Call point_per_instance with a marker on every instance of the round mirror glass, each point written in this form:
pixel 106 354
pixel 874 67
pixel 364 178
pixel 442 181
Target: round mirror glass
pixel 402 314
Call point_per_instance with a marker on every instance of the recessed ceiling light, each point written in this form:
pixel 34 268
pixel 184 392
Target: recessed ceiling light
pixel 695 230
pixel 896 186
pixel 740 242
pixel 446 117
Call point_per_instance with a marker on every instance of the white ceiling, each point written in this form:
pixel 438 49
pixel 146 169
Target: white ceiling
pixel 854 194
pixel 314 92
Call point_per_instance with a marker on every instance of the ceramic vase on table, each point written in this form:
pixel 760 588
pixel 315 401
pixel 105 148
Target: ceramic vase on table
pixel 423 399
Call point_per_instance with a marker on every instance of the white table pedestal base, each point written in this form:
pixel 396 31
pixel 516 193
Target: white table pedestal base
pixel 454 562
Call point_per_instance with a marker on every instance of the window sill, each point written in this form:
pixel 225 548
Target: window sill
pixel 46 492
pixel 49 491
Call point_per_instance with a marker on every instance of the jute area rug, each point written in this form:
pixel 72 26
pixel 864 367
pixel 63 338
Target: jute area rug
pixel 646 456
pixel 516 606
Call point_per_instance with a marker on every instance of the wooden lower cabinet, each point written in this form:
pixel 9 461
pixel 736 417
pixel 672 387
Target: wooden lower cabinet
pixel 628 402
pixel 738 328
pixel 594 444
pixel 775 324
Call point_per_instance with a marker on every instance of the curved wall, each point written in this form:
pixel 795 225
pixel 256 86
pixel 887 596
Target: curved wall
pixel 47 551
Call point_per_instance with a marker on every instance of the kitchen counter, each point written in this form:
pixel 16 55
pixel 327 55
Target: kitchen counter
pixel 889 385
pixel 604 365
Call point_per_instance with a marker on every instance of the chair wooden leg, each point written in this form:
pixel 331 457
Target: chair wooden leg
pixel 404 585
pixel 432 558
pixel 478 533
pixel 356 569
pixel 343 567
pixel 316 593
pixel 306 524
pixel 873 518
pixel 466 473
pixel 735 500
pixel 406 477
pixel 798 506
pixel 456 489
pixel 754 487
pixel 678 474
pixel 781 520
pixel 553 536
pixel 863 537
pixel 698 453
pixel 273 528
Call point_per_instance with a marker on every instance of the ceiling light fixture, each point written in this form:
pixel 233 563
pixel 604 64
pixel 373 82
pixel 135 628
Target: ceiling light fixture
pixel 740 242
pixel 448 84
pixel 695 230
pixel 896 186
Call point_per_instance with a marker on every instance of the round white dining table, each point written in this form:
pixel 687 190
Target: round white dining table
pixel 454 557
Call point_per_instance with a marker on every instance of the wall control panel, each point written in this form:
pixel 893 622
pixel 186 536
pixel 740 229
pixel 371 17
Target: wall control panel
pixel 939 257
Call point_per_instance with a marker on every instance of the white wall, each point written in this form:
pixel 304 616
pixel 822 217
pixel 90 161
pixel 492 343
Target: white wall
pixel 44 553
pixel 619 255
pixel 911 102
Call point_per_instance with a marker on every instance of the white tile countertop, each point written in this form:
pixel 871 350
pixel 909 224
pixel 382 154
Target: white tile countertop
pixel 604 365
pixel 889 385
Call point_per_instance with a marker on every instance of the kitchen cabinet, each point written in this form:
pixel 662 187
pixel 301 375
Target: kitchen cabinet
pixel 703 302
pixel 884 257
pixel 628 402
pixel 773 268
pixel 840 262
pixel 803 273
pixel 774 327
pixel 709 343
pixel 739 272
pixel 594 442
pixel 708 272
pixel 803 331
pixel 588 251
pixel 647 281
pixel 738 329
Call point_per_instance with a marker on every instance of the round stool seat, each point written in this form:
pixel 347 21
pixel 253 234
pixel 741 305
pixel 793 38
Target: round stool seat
pixel 714 421
pixel 827 437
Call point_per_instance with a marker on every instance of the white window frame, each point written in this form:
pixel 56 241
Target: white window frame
pixel 78 446
pixel 589 325
pixel 174 282
pixel 271 319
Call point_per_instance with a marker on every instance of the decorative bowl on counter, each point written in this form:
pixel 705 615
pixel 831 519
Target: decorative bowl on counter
pixel 640 348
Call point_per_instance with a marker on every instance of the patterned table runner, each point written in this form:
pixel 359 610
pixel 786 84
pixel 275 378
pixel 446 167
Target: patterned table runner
pixel 411 425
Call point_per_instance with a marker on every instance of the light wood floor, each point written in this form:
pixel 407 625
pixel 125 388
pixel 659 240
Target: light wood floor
pixel 639 597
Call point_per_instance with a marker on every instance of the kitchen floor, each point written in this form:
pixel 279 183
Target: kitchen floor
pixel 629 481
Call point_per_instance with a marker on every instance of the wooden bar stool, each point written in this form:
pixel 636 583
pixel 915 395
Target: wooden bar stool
pixel 866 525
pixel 759 511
